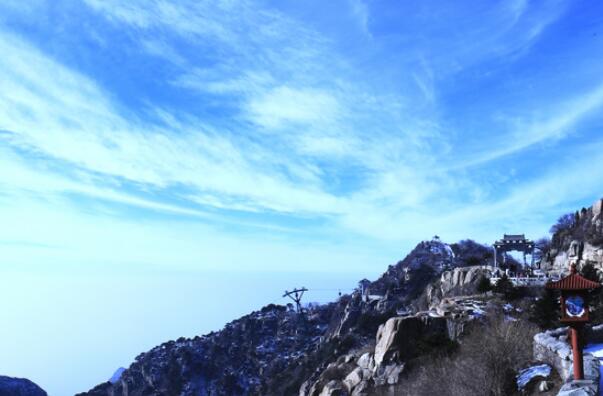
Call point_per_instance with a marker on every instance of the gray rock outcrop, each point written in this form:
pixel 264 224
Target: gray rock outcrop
pixel 396 341
pixel 333 388
pixel 461 280
pixel 581 241
pixel 397 337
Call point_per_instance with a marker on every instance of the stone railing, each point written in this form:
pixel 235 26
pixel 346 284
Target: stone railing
pixel 523 281
pixel 552 347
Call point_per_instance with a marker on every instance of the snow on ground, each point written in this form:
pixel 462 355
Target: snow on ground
pixel 526 375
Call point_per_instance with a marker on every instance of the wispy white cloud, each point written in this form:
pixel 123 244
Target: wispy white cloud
pixel 360 11
pixel 70 119
pixel 298 106
pixel 552 125
pixel 306 136
pixel 215 81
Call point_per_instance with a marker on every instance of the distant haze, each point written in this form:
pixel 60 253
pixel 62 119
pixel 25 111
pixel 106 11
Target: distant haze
pixel 74 330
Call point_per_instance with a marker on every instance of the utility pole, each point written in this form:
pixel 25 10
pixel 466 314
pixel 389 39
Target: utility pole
pixel 296 295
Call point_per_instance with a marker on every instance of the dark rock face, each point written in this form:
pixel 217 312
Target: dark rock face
pixel 239 360
pixel 19 387
pixel 397 338
pixel 469 253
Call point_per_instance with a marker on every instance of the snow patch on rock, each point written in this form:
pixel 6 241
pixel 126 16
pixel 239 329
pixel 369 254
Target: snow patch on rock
pixel 117 375
pixel 526 375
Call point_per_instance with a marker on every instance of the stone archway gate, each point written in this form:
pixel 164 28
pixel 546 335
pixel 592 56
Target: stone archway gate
pixel 514 242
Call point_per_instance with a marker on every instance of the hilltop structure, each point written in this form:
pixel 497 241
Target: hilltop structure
pixel 514 242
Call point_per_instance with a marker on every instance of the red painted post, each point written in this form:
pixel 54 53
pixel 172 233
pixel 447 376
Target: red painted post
pixel 577 353
pixel 574 311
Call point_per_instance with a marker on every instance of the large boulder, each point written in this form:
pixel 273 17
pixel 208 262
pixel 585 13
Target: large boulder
pixel 354 378
pixel 463 277
pixel 593 254
pixel 333 388
pixel 19 387
pixel 351 314
pixel 362 389
pixel 388 374
pixel 366 361
pixel 331 380
pixel 397 338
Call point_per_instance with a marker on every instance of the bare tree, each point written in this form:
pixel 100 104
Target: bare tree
pixel 486 363
pixel 565 222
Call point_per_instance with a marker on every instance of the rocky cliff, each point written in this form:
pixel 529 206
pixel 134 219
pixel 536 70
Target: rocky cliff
pixel 576 237
pixel 275 351
pixel 456 282
pixel 367 342
pixel 246 357
pixel 398 340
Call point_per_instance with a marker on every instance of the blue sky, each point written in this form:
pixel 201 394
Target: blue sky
pixel 265 137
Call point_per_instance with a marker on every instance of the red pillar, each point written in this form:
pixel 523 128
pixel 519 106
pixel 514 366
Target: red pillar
pixel 577 353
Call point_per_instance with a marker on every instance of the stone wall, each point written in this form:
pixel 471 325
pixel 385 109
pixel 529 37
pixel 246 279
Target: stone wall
pixel 589 386
pixel 552 347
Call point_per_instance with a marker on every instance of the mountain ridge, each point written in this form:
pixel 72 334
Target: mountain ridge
pixel 358 344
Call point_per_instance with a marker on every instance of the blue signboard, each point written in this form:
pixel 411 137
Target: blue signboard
pixel 574 306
